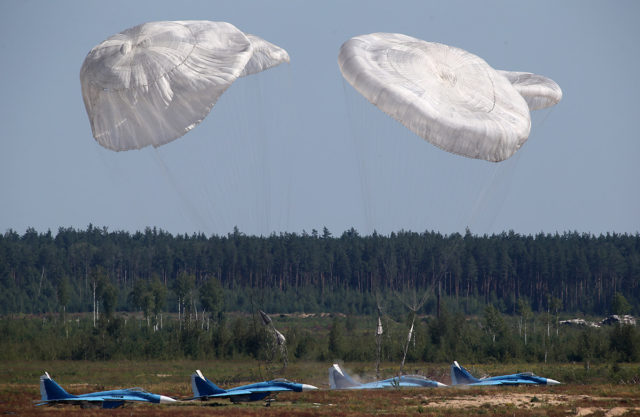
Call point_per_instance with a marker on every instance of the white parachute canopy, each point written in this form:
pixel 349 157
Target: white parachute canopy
pixel 539 92
pixel 152 83
pixel 446 95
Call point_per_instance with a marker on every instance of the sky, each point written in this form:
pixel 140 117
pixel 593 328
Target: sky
pixel 296 148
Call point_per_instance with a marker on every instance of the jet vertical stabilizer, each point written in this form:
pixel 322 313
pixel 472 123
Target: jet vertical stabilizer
pixel 338 379
pixel 460 376
pixel 50 390
pixel 202 387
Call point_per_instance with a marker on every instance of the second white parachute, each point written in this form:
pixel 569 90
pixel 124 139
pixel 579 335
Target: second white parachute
pixel 446 95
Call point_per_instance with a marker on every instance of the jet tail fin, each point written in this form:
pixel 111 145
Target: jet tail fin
pixel 460 376
pixel 51 391
pixel 202 387
pixel 338 379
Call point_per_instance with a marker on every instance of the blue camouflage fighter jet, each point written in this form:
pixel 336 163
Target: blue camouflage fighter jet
pixel 460 376
pixel 203 389
pixel 52 393
pixel 338 379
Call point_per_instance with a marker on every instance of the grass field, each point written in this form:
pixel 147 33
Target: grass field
pixel 589 392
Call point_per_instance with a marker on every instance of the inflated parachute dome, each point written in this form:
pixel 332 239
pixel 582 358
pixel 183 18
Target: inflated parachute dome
pixel 446 95
pixel 152 83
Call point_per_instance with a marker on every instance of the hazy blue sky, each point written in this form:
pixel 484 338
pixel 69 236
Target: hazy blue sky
pixel 297 148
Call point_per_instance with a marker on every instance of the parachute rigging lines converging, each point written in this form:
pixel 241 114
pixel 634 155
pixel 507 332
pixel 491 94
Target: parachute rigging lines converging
pixel 152 83
pixel 446 95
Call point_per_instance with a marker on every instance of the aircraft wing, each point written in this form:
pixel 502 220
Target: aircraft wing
pixel 233 393
pixel 519 382
pixel 227 394
pixel 495 382
pixel 504 382
pixel 240 395
pixel 103 402
pixel 492 382
pixel 265 389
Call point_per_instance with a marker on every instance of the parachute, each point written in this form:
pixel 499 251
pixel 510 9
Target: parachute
pixel 538 91
pixel 152 83
pixel 280 342
pixel 446 95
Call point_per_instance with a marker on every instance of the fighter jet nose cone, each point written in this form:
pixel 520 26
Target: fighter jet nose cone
pixel 552 382
pixel 307 387
pixel 440 384
pixel 165 400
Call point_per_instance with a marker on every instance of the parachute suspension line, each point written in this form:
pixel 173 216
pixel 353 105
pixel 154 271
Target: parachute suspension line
pixel 213 191
pixel 228 168
pixel 247 168
pixel 194 213
pixel 359 147
pixel 263 172
pixel 406 345
pixel 540 121
pixel 278 343
pixel 387 324
pixel 237 170
pixel 414 307
pixel 255 332
pixel 498 186
pixel 210 184
pixel 494 192
pixel 491 191
pixel 256 146
pixel 242 193
pixel 113 167
pixel 282 148
pixel 386 168
pixel 481 196
pixel 379 332
pixel 293 114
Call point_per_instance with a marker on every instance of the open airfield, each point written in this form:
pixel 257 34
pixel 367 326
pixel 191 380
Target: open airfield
pixel 593 395
pixel 379 119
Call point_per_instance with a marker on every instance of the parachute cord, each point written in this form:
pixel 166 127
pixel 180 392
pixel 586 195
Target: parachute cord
pixel 254 167
pixel 481 196
pixel 293 114
pixel 212 191
pixel 361 164
pixel 195 215
pixel 264 171
pixel 545 116
pixel 255 333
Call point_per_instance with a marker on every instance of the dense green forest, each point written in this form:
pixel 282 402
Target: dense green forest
pixel 115 295
pixel 154 271
pixel 490 337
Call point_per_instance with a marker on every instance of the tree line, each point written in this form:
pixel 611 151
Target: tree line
pixel 488 338
pixel 97 270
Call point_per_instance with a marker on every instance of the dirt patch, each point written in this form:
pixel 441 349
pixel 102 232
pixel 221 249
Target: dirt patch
pixel 496 399
pixel 618 411
pixel 614 412
pixel 525 401
pixel 585 411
